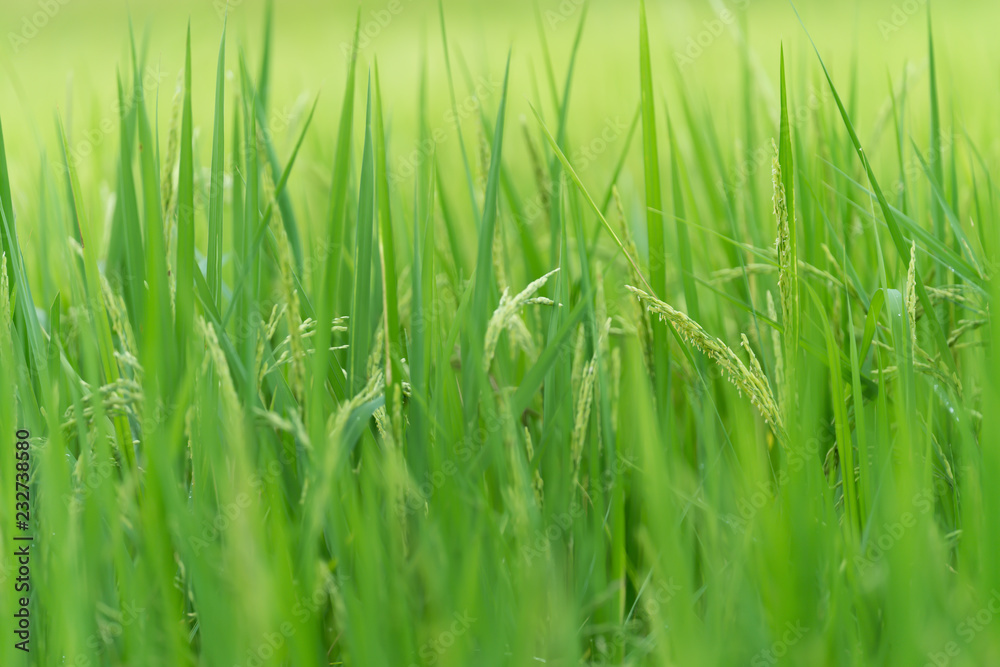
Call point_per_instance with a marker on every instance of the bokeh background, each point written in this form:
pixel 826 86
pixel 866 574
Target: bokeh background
pixel 58 59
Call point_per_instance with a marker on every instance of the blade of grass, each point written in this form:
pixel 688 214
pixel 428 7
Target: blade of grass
pixel 93 289
pixel 361 305
pixel 902 249
pixel 185 215
pixel 387 252
pixel 131 224
pixel 484 279
pixel 216 198
pixel 587 198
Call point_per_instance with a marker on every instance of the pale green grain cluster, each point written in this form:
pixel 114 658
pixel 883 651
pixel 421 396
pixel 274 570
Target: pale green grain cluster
pixel 508 312
pixel 787 264
pixel 751 382
pixel 5 312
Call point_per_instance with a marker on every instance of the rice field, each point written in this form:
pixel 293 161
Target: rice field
pixel 444 334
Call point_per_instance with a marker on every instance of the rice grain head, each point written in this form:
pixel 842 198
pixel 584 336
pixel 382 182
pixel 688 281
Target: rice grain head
pixel 506 311
pixel 338 420
pixel 581 418
pixel 753 383
pixel 788 289
pixel 787 266
pixel 585 401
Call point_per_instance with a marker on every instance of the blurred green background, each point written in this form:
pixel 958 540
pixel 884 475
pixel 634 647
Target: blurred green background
pixel 76 49
pixel 59 57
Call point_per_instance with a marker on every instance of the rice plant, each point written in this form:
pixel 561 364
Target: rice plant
pixel 714 386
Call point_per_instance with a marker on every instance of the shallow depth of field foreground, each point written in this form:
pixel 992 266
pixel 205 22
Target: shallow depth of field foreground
pixel 579 333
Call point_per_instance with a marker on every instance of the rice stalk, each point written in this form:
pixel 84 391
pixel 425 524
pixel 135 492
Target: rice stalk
pixel 537 169
pixel 779 362
pixel 579 354
pixel 232 410
pixel 616 374
pixel 376 359
pixel 498 259
pixel 293 316
pixel 120 324
pixel 170 168
pixel 265 334
pixel 584 403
